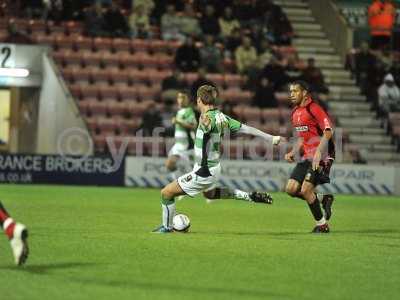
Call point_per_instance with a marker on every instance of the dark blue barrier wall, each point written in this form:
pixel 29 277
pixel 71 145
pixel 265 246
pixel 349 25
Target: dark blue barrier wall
pixel 55 169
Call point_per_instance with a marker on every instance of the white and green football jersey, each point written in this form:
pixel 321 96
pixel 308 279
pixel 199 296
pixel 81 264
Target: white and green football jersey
pixel 184 137
pixel 212 126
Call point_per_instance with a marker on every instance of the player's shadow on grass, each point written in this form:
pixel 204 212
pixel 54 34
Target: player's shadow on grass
pixel 206 290
pixel 43 269
pixel 373 232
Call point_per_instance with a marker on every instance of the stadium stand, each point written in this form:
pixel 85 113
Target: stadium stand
pixel 114 79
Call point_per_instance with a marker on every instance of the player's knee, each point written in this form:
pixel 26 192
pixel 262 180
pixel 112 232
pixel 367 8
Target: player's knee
pixel 170 165
pixel 291 191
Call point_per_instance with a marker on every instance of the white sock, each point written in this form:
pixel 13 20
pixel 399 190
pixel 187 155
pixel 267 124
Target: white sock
pixel 319 196
pixel 241 195
pixel 321 222
pixel 168 213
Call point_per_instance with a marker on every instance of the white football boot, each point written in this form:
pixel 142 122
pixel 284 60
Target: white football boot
pixel 19 244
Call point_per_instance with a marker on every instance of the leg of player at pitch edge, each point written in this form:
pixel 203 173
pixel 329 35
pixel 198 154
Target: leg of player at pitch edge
pixel 17 234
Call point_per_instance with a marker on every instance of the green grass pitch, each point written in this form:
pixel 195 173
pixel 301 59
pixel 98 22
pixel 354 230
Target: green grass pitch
pixel 95 243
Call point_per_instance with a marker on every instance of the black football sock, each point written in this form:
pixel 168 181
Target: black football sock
pixel 316 211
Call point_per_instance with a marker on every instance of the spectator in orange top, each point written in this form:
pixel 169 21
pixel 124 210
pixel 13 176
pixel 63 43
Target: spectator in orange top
pixel 381 17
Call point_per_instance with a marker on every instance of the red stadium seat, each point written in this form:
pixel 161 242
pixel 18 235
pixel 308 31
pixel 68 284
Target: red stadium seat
pixel 216 78
pixel 252 114
pixel 136 109
pixel 158 46
pixel 165 61
pixel 107 91
pixel 110 60
pixel 119 77
pixel 102 44
pixel 89 92
pixel 99 76
pixel 90 58
pixel 121 45
pixel 233 80
pixel 127 93
pixel 36 27
pixel 97 108
pixel 271 115
pixel 138 76
pixel 190 77
pixel 81 76
pixel 115 108
pixel 139 45
pixel 83 43
pixel 65 42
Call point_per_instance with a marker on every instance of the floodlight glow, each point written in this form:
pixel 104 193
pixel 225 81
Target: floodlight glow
pixel 14 72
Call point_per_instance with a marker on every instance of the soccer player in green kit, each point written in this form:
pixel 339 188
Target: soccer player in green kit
pixel 185 126
pixel 207 169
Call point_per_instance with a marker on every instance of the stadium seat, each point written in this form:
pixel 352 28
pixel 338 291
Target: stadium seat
pixel 102 44
pixel 127 93
pixel 109 60
pixel 36 27
pixel 190 77
pixel 136 109
pixel 64 42
pixel 72 58
pixel 157 76
pixel 99 143
pixel 145 92
pixel 140 45
pixel 158 46
pixel 89 92
pixel 81 76
pixel 44 39
pixel 115 108
pixel 218 79
pixel 138 76
pixel 271 115
pixel 120 45
pixel 97 108
pixel 89 58
pixel 99 76
pixel 74 28
pixel 119 77
pixel 165 62
pixel 75 91
pixel 83 43
pixel 107 91
pixel 252 114
pixel 233 80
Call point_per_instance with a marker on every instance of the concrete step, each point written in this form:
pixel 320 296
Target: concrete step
pixel 336 73
pixel 311 50
pixel 310 42
pixel 340 113
pixel 291 3
pixel 373 148
pixel 322 57
pixel 359 122
pixel 309 33
pixel 362 130
pixel 344 90
pixel 300 18
pixel 296 11
pixel 373 139
pixel 340 81
pixel 349 106
pixel 329 65
pixel 344 97
pixel 306 26
pixel 382 156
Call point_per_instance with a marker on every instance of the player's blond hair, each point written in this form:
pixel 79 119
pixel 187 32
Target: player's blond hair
pixel 207 94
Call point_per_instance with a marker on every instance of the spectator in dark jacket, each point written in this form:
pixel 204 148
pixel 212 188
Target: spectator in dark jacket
pixel 171 85
pixel 115 22
pixel 187 57
pixel 201 80
pixel 365 62
pixel 264 94
pixel 314 77
pixel 275 73
pixel 209 22
pixel 94 21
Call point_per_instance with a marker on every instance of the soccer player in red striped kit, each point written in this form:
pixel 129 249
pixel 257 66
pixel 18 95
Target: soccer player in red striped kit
pixel 17 235
pixel 315 145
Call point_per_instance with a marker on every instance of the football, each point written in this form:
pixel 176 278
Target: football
pixel 181 223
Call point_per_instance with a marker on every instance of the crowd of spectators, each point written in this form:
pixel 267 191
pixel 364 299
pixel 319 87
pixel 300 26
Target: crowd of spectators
pixel 377 72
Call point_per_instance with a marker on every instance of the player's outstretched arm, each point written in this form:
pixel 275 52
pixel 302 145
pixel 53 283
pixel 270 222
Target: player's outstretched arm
pixel 275 139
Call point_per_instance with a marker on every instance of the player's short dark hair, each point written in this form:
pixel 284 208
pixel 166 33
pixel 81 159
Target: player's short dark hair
pixel 207 94
pixel 302 84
